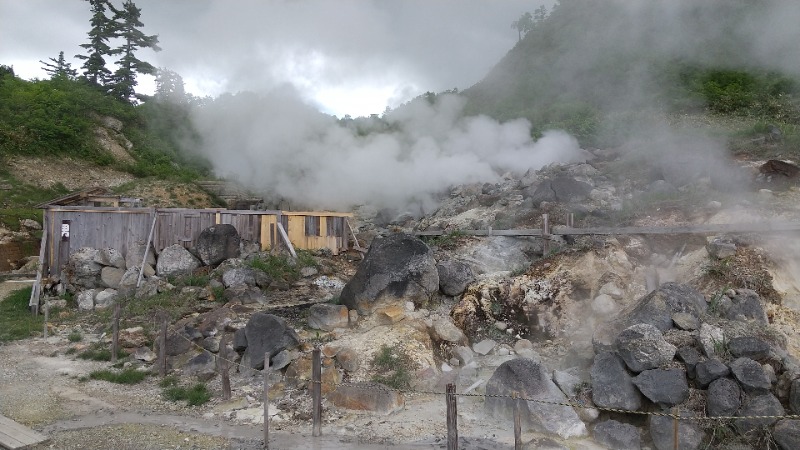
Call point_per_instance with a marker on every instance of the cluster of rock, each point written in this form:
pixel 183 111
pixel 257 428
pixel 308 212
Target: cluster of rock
pixel 671 351
pixel 97 277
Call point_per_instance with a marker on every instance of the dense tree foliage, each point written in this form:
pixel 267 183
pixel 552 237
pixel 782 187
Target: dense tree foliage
pixel 103 29
pixel 127 28
pixel 59 67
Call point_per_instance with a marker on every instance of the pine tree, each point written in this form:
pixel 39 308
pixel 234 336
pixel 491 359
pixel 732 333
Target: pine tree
pixel 170 87
pixel 59 68
pixel 94 66
pixel 128 28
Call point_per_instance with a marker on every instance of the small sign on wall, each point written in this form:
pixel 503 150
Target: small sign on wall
pixel 65 230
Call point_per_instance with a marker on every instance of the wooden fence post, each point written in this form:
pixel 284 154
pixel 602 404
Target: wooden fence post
pixel 545 234
pixel 162 350
pixel 571 220
pixel 225 368
pixel 675 443
pixel 517 422
pixel 115 334
pixel 316 391
pixel 266 400
pixel 46 319
pixel 452 417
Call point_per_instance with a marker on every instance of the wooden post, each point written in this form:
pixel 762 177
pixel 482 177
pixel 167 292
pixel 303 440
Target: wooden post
pixel 115 334
pixel 33 303
pixel 517 422
pixel 571 220
pixel 675 442
pixel 316 391
pixel 545 234
pixel 286 240
pixel 162 350
pixel 225 368
pixel 266 400
pixel 147 248
pixel 452 417
pixel 46 318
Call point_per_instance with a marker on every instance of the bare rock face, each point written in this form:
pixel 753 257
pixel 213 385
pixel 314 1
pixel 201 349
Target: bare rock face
pixel 82 270
pixel 658 307
pixel 531 380
pixel 666 387
pixel 327 317
pixel 690 436
pixel 612 385
pixel 454 277
pixel 218 243
pixel 266 333
pixel 397 267
pixel 618 435
pixel 372 397
pixel 176 260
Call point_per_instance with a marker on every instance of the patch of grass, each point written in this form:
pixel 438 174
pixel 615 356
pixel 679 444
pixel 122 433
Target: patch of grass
pixel 199 280
pixel 219 293
pixel 446 241
pixel 127 376
pixel 168 381
pixel 306 259
pixel 97 352
pixel 71 351
pixel 195 395
pixel 16 321
pixel 393 366
pixel 75 336
pixel 277 267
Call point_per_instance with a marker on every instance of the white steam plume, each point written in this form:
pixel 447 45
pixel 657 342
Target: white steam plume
pixel 283 148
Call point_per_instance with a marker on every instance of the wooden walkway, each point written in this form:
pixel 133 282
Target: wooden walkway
pixel 14 436
pixel 759 227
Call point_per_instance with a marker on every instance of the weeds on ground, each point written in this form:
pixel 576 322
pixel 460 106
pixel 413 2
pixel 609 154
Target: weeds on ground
pixel 16 321
pixel 277 267
pixel 446 241
pixel 75 336
pixel 393 366
pixel 127 376
pixel 195 395
pixel 96 352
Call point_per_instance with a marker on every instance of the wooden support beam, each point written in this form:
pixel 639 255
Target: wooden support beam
pixel 286 240
pixel 33 303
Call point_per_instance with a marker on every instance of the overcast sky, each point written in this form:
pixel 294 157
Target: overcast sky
pixel 346 56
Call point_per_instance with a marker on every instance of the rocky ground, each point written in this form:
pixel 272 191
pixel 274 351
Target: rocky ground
pixel 518 302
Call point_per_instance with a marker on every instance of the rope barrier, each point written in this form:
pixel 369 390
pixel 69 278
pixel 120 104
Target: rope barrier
pixel 533 400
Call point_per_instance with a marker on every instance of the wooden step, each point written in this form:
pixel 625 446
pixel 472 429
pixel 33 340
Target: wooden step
pixel 14 436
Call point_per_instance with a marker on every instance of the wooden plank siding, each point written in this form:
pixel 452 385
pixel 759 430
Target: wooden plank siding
pixel 119 228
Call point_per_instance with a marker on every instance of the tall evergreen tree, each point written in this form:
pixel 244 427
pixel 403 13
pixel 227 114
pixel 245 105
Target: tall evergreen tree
pixel 170 87
pixel 103 29
pixel 129 65
pixel 59 68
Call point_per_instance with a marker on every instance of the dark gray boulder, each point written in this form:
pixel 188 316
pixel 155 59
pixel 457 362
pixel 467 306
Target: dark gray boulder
pixel 745 304
pixel 454 277
pixel 175 261
pixel 710 370
pixel 667 387
pixel 239 340
pixel 642 347
pixel 247 295
pixel 749 346
pixel 612 386
pixel 787 434
pixel 758 405
pixel 531 380
pixel 690 435
pixel 560 189
pixel 218 243
pixel 203 366
pixel 751 376
pixel 690 357
pixel 658 307
pixel 617 435
pixel 794 396
pixel 397 267
pixel 724 397
pixel 239 276
pixel 266 333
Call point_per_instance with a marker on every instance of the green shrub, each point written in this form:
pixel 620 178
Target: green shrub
pixel 97 352
pixel 277 267
pixel 195 395
pixel 393 367
pixel 127 376
pixel 75 336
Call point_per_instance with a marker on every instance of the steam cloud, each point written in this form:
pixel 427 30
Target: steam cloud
pixel 283 148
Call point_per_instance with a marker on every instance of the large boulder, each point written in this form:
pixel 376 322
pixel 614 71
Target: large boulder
pixel 531 380
pixel 176 260
pixel 787 434
pixel 560 189
pixel 239 276
pixel 218 243
pixel 751 376
pixel 111 257
pixel 724 397
pixel 454 277
pixel 111 276
pixel 612 386
pixel 399 267
pixel 745 304
pixel 758 405
pixel 709 370
pixel 690 435
pixel 135 254
pixel 658 307
pixel 617 435
pixel 266 333
pixel 203 366
pixel 643 347
pixel 667 387
pixel 82 269
pixel 327 317
pixel 372 397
